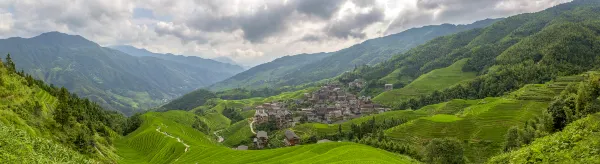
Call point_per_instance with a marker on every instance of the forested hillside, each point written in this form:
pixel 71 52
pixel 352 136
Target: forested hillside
pixel 267 74
pixel 519 50
pixel 109 77
pixel 44 124
pixel 309 68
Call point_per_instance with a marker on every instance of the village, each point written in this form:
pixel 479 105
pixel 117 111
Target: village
pixel 328 105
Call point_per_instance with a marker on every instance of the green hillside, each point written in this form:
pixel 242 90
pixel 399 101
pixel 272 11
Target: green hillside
pixel 577 143
pixel 435 80
pixel 480 124
pixel 149 144
pixel 519 50
pixel 481 127
pixel 309 68
pixel 111 78
pixel 45 124
pixel 268 74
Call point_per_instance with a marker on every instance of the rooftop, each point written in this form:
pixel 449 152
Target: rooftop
pixel 262 134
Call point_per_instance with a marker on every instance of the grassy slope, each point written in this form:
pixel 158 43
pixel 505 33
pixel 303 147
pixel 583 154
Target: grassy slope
pixel 236 133
pixel 19 145
pixel 216 121
pixel 147 145
pixel 577 143
pixel 482 126
pixel 28 141
pixel 435 80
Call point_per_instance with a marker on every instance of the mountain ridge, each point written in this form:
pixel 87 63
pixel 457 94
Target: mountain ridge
pixel 331 64
pixel 114 79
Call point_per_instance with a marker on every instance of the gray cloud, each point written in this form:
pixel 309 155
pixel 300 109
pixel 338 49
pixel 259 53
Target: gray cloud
pixel 310 38
pixel 355 25
pixel 322 9
pixel 276 17
pixel 248 31
pixel 464 11
pixel 364 3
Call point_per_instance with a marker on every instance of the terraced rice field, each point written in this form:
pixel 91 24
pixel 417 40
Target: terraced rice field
pixel 44 96
pixel 319 128
pixel 146 145
pixel 236 133
pixel 450 107
pixel 482 127
pixel 435 80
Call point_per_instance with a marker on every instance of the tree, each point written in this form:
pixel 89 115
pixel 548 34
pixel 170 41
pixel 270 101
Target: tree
pixel 232 114
pixel 512 139
pixel 10 65
pixel 444 150
pixel 340 133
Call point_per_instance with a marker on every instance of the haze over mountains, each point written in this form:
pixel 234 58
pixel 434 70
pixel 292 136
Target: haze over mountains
pixel 112 78
pixel 307 68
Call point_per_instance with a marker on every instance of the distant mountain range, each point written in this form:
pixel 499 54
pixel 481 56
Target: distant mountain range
pixel 307 68
pixel 210 64
pixel 125 81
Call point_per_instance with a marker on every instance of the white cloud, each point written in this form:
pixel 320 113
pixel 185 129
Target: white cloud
pixel 248 31
pixel 6 22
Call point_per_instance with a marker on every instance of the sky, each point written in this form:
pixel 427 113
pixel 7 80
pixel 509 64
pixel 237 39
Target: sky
pixel 250 32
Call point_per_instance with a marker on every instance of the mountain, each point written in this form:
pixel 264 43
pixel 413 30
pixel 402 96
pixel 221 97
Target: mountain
pixel 519 50
pixel 224 59
pixel 523 90
pixel 518 86
pixel 315 67
pixel 114 79
pixel 268 74
pixel 200 63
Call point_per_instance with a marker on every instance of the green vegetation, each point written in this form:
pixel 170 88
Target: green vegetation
pixel 237 134
pixel 481 126
pixel 445 150
pixel 41 123
pixel 18 145
pixel 524 49
pixel 428 83
pixel 113 79
pixel 290 71
pixel 522 90
pixel 577 143
pixel 191 100
pixel 149 145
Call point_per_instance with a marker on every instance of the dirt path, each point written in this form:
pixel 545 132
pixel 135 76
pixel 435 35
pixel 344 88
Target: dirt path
pixel 187 147
pixel 251 127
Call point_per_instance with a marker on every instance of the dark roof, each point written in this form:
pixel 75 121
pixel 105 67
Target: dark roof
pixel 290 135
pixel 261 134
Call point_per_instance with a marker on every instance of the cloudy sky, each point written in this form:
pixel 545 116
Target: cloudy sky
pixel 248 31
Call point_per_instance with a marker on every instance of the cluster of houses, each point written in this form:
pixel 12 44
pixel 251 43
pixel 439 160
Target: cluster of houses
pixel 276 112
pixel 333 104
pixel 261 140
pixel 329 104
